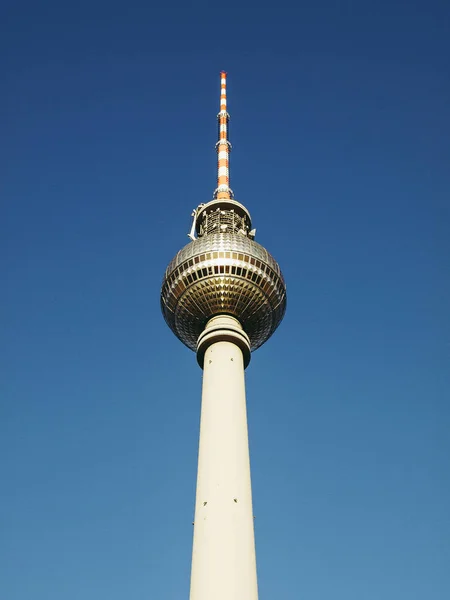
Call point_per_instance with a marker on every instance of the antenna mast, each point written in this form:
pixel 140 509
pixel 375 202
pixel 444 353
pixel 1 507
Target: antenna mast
pixel 223 146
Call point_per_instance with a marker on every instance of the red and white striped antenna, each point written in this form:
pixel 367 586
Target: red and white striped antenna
pixel 223 145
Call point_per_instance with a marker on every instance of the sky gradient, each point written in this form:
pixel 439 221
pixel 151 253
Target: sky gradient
pixel 340 129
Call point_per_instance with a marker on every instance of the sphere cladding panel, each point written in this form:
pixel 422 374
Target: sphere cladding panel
pixel 223 274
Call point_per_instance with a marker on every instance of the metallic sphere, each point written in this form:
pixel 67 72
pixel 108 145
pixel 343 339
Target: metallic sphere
pixel 223 273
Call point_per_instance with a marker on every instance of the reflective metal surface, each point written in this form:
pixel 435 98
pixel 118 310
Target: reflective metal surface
pixel 223 273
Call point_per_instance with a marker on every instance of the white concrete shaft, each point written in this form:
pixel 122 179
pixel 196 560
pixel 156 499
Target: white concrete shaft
pixel 223 558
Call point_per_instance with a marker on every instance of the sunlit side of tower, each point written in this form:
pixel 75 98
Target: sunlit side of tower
pixel 223 295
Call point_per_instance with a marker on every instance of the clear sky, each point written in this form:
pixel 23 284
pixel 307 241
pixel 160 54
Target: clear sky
pixel 340 128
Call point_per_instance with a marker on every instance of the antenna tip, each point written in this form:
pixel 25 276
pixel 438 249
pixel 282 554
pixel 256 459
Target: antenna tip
pixel 223 73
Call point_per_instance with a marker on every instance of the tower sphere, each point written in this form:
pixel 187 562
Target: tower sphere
pixel 223 271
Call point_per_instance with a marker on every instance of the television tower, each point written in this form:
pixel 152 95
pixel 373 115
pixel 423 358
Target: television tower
pixel 223 295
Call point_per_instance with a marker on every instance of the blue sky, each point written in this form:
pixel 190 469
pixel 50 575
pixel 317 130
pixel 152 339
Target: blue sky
pixel 340 129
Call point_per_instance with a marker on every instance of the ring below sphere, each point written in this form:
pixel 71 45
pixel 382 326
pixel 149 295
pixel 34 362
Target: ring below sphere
pixel 223 273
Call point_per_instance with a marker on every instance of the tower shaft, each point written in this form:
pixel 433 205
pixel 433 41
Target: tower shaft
pixel 223 558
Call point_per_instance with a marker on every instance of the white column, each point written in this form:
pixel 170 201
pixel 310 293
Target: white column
pixel 223 557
